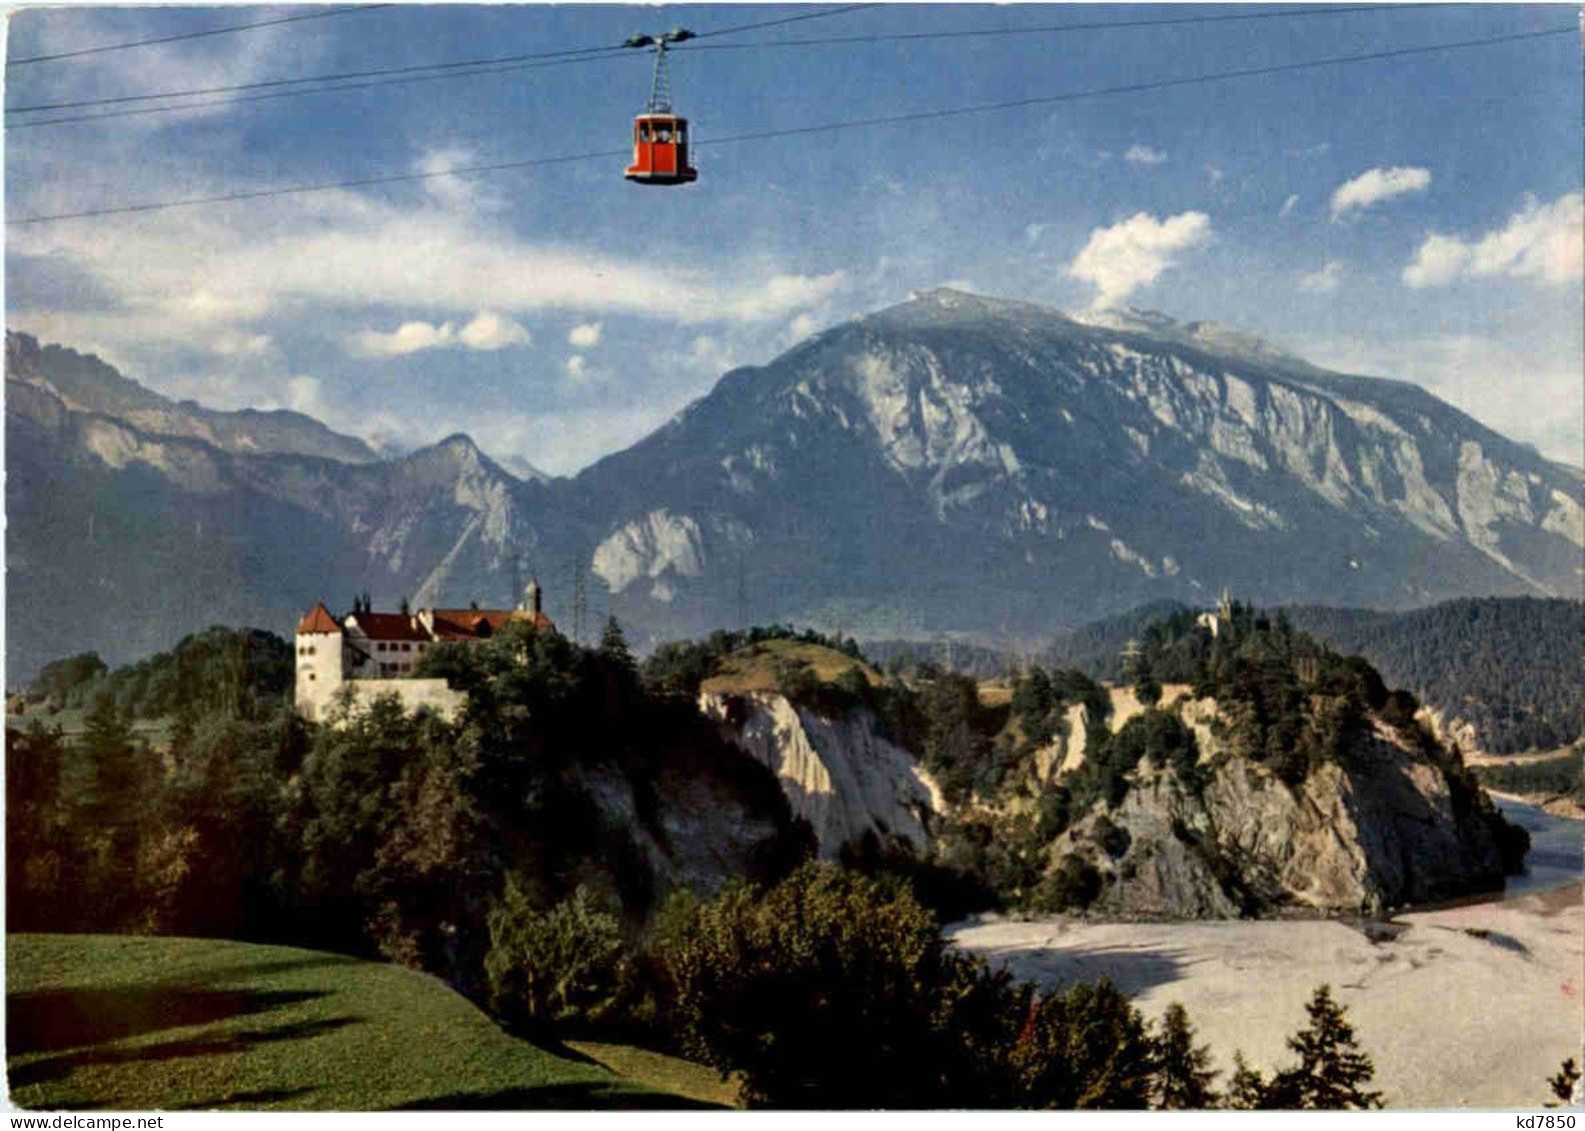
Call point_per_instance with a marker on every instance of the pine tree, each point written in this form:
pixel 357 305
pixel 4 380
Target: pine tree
pixel 108 745
pixel 1246 1091
pixel 613 643
pixel 1183 1073
pixel 1564 1083
pixel 1331 1072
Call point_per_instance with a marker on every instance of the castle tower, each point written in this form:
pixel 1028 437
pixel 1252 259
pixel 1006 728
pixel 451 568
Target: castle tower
pixel 320 663
pixel 530 603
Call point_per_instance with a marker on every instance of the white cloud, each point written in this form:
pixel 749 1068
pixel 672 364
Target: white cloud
pixel 235 343
pixel 577 366
pixel 487 331
pixel 1215 175
pixel 1529 393
pixel 409 337
pixel 1376 185
pixel 1133 253
pixel 802 327
pixel 306 395
pixel 1440 260
pixel 783 294
pixel 1144 155
pixel 585 335
pixel 708 355
pixel 205 62
pixel 1289 205
pixel 448 189
pixel 1324 280
pixel 338 252
pixel 1544 242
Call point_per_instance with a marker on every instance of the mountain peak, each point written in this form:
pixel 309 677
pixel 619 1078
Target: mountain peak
pixel 1212 337
pixel 951 306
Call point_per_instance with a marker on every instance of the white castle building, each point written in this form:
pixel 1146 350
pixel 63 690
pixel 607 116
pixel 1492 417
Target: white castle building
pixel 366 654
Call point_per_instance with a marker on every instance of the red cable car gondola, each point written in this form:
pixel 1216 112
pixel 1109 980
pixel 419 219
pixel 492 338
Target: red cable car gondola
pixel 660 137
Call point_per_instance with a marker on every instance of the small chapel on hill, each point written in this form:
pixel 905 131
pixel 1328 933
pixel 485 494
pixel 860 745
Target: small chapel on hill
pixel 368 654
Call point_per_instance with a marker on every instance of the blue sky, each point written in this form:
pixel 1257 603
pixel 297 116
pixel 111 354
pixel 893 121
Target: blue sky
pixel 1417 217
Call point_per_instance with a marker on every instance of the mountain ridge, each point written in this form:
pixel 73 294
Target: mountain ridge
pixel 952 464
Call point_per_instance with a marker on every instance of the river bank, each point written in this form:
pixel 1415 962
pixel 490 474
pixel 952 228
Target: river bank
pixel 1461 1006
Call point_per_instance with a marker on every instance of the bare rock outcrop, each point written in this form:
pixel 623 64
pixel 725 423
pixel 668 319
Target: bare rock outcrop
pixel 1387 824
pixel 840 774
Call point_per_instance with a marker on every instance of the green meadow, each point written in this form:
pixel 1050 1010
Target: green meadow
pixel 138 1023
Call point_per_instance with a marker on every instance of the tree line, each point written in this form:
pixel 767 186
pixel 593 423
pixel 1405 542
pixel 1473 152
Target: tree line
pixel 482 850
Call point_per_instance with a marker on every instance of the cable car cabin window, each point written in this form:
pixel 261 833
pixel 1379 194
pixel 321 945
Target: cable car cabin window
pixel 643 131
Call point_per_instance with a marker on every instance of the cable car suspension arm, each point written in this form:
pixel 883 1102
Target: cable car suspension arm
pixel 660 87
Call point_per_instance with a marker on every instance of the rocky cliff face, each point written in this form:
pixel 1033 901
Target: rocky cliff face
pixel 693 829
pixel 81 383
pixel 1390 823
pixel 840 775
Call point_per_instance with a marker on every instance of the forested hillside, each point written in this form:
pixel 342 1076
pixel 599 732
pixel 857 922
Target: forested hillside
pixel 1512 667
pixel 246 672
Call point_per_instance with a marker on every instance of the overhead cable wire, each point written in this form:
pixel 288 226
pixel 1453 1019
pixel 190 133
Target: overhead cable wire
pixel 265 84
pixel 227 30
pixel 737 28
pixel 462 68
pixel 592 55
pixel 826 127
pixel 415 68
pixel 1097 25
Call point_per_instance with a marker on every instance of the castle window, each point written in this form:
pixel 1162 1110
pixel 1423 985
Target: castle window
pixel 310 675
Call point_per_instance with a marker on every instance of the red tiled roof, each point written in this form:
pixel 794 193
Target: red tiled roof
pixel 468 624
pixel 388 626
pixel 472 624
pixel 318 620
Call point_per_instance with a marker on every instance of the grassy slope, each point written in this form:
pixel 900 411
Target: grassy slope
pixel 753 667
pixel 117 1022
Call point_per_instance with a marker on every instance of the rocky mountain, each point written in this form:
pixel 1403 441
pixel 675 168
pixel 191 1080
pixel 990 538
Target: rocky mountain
pixel 81 383
pixel 965 465
pixel 954 465
pixel 122 540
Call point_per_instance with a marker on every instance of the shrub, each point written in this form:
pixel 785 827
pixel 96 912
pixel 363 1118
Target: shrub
pixel 567 967
pixel 833 990
pixel 820 992
pixel 1074 885
pixel 1084 1047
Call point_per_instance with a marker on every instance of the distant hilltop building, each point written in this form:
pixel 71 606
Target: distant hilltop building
pixel 1222 618
pixel 368 654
